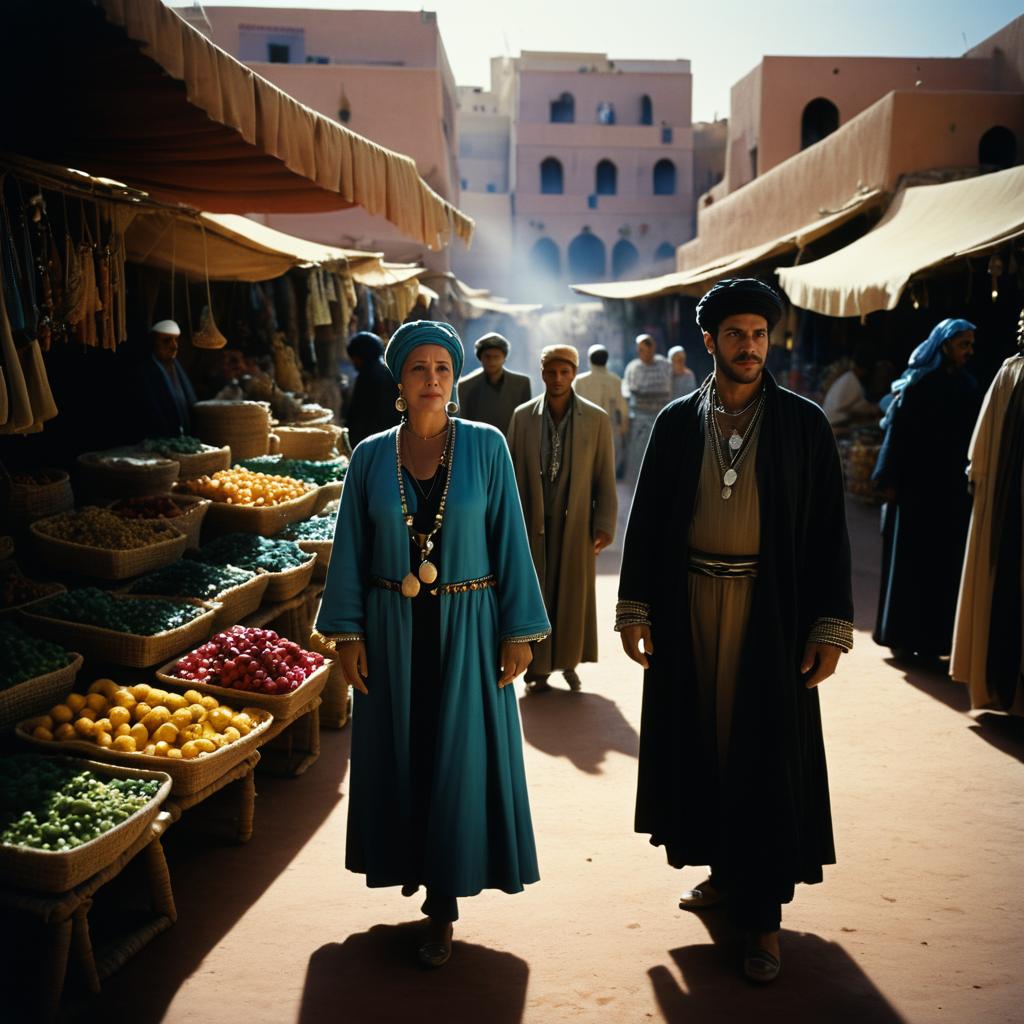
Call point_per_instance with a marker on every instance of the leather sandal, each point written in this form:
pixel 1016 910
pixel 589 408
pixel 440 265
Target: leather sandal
pixel 435 953
pixel 760 965
pixel 701 897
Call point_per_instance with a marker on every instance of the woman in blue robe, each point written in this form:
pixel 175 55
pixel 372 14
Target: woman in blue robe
pixel 431 603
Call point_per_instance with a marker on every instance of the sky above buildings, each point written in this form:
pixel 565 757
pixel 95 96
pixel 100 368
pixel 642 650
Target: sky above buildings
pixel 723 39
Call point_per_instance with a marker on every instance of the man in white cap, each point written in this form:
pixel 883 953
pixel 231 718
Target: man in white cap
pixel 647 383
pixel 165 393
pixel 562 451
pixel 492 393
pixel 604 389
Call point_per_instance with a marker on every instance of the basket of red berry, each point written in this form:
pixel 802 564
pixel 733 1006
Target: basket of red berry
pixel 274 673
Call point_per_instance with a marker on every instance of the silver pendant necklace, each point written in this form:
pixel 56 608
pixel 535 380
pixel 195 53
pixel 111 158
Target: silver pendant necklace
pixel 739 444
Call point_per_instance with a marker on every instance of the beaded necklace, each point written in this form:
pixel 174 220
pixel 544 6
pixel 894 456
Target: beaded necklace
pixel 739 444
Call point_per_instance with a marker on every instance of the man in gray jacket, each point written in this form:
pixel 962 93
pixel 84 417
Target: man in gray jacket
pixel 492 393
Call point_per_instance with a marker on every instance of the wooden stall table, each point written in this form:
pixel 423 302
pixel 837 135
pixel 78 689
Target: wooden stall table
pixel 242 773
pixel 66 916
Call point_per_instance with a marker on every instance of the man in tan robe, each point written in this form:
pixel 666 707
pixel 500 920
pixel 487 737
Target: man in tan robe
pixel 564 459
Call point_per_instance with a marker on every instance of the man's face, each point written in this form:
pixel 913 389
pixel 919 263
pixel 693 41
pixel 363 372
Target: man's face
pixel 679 363
pixel 960 348
pixel 165 347
pixel 558 376
pixel 645 349
pixel 741 347
pixel 492 360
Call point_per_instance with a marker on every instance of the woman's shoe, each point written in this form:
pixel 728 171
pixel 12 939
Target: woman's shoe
pixel 701 897
pixel 436 952
pixel 759 964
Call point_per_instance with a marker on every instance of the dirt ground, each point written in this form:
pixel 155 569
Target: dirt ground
pixel 920 921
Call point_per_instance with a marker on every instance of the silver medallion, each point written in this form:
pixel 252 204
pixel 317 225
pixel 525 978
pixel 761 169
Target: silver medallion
pixel 730 477
pixel 726 493
pixel 735 441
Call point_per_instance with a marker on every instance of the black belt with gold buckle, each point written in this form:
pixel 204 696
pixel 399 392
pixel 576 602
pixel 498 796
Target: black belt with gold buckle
pixel 483 583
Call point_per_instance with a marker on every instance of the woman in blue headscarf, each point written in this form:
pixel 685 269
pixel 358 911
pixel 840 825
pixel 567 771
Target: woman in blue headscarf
pixel 920 470
pixel 431 603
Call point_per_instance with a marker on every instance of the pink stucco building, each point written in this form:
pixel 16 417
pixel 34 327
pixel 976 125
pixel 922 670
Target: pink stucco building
pixel 384 74
pixel 576 167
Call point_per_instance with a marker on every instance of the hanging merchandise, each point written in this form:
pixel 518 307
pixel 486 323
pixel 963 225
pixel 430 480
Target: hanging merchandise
pixel 19 416
pixel 208 335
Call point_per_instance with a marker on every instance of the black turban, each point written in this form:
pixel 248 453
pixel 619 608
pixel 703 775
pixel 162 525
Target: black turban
pixel 491 340
pixel 738 295
pixel 366 345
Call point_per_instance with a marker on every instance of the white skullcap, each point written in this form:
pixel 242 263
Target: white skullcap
pixel 165 327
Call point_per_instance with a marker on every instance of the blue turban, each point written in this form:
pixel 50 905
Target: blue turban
pixel 735 295
pixel 925 359
pixel 423 332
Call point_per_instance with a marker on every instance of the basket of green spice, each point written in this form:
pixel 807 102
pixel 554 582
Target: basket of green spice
pixel 121 629
pixel 194 457
pixel 34 673
pixel 238 592
pixel 315 535
pixel 64 819
pixel 288 568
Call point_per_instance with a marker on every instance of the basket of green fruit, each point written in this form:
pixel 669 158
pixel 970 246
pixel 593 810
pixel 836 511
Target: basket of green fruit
pixel 288 568
pixel 34 673
pixel 194 457
pixel 64 819
pixel 122 629
pixel 238 592
pixel 185 512
pixel 98 542
pixel 315 535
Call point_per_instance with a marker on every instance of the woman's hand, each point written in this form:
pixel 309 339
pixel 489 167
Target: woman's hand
pixel 351 656
pixel 514 661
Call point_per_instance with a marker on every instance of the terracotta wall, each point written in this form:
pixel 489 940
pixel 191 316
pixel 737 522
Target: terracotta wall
pixel 1006 51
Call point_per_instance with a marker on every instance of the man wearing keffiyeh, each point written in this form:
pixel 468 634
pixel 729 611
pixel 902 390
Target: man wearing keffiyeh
pixel 564 459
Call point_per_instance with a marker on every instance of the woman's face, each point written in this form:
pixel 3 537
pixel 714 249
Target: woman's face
pixel 959 349
pixel 427 378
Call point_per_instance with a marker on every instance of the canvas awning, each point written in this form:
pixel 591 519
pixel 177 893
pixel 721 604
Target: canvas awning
pixel 129 90
pixel 925 227
pixel 697 280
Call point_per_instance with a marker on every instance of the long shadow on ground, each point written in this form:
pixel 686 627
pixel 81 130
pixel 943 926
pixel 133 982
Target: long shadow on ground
pixel 373 978
pixel 819 982
pixel 584 727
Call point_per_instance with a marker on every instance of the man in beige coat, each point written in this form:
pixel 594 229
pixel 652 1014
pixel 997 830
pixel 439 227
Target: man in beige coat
pixel 564 459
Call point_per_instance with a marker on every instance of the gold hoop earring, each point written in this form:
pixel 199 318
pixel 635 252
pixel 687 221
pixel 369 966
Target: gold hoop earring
pixel 452 408
pixel 401 404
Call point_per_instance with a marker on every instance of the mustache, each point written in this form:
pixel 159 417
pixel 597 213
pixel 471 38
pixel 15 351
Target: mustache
pixel 747 357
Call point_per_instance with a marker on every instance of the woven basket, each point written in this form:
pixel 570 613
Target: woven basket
pixel 59 871
pixel 266 521
pixel 274 445
pixel 308 442
pixel 283 708
pixel 109 563
pixel 328 493
pixel 51 589
pixel 283 586
pixel 26 503
pixel 205 463
pixel 244 427
pixel 35 696
pixel 127 649
pixel 100 476
pixel 190 522
pixel 322 549
pixel 337 699
pixel 238 602
pixel 187 777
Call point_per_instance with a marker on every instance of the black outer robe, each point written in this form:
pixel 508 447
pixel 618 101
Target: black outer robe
pixel 372 407
pixel 770 818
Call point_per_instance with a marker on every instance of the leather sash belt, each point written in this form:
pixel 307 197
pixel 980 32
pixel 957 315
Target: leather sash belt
pixel 483 583
pixel 726 567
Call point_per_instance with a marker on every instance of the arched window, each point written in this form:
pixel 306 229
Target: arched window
pixel 646 110
pixel 665 251
pixel 551 183
pixel 820 118
pixel 545 259
pixel 586 257
pixel 624 258
pixel 605 178
pixel 563 110
pixel 664 178
pixel 998 148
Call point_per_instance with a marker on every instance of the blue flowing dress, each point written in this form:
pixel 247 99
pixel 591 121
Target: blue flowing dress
pixel 478 831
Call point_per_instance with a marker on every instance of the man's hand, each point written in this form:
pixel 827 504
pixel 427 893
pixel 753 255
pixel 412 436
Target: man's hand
pixel 515 658
pixel 601 541
pixel 352 659
pixel 631 637
pixel 823 658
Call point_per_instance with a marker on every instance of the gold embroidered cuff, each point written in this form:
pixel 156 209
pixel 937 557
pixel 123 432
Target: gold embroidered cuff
pixel 531 639
pixel 632 613
pixel 837 632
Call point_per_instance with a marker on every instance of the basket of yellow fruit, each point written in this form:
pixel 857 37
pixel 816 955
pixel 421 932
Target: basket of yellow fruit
pixel 98 542
pixel 245 501
pixel 192 736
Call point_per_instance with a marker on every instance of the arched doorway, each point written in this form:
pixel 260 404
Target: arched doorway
pixel 624 258
pixel 664 178
pixel 563 110
pixel 586 257
pixel 998 148
pixel 646 110
pixel 820 118
pixel 606 178
pixel 551 178
pixel 545 259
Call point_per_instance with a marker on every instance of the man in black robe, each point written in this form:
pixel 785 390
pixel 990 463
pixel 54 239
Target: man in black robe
pixel 759 815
